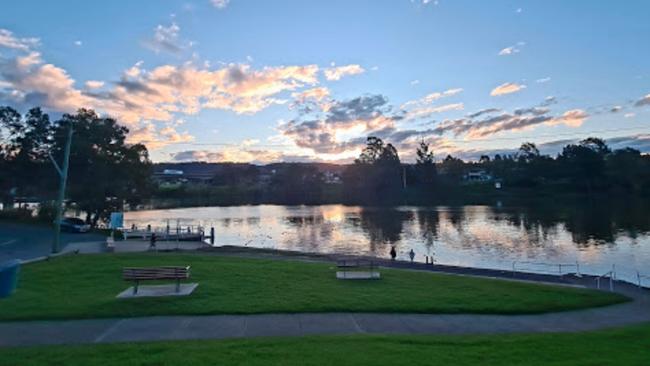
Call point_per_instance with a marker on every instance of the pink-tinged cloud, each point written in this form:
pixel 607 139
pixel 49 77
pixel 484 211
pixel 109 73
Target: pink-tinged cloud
pixel 506 88
pixel 336 73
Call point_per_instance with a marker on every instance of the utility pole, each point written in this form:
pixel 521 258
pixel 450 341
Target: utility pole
pixel 63 176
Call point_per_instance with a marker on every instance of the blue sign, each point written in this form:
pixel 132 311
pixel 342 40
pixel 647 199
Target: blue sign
pixel 117 220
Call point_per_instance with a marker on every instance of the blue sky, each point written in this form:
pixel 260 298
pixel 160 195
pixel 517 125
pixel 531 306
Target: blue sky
pixel 264 81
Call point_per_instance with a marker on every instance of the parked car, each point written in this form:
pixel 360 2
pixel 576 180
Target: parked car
pixel 74 225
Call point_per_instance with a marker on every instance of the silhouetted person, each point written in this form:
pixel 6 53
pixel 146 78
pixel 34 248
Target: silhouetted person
pixel 393 253
pixel 152 241
pixel 412 254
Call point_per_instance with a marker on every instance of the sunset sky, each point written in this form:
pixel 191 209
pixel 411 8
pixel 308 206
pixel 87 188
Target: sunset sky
pixel 265 81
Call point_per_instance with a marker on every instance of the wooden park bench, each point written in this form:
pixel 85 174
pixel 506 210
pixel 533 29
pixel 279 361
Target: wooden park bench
pixel 357 269
pixel 138 274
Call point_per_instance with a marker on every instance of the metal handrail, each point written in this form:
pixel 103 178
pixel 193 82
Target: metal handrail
pixel 611 275
pixel 639 276
pixel 559 266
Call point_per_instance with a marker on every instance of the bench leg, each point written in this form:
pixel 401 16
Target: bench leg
pixel 135 288
pixel 178 285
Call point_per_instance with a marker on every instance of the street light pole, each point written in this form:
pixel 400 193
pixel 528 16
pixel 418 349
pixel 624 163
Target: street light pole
pixel 63 176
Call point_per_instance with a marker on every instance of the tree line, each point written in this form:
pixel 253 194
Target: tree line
pixel 107 173
pixel 586 167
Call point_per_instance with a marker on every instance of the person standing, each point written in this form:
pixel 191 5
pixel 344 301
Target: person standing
pixel 152 241
pixel 412 254
pixel 393 253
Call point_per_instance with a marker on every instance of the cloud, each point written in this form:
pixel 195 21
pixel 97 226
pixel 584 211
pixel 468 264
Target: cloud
pixel 424 107
pixel 78 43
pixel 219 4
pixel 156 139
pixel 8 40
pixel 511 50
pixel 317 94
pixel 643 101
pixel 334 132
pixel 572 118
pixel 156 94
pixel 543 80
pixel 415 82
pixel 94 84
pixel 166 39
pixel 428 111
pixel 506 88
pixel 233 154
pixel 629 115
pixel 483 111
pixel 28 80
pixel 520 119
pixel 336 73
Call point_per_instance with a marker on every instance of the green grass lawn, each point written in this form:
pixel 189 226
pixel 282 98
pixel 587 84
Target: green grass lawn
pixel 85 286
pixel 625 346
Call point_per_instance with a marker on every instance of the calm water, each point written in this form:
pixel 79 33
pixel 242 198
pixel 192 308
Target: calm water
pixel 596 235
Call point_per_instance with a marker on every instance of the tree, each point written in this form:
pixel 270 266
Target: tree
pixel 376 176
pixel 425 166
pixel 105 172
pixel 424 156
pixel 528 152
pixel 585 163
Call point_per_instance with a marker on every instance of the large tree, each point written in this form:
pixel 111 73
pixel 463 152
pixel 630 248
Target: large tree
pixel 105 171
pixel 376 176
pixel 425 166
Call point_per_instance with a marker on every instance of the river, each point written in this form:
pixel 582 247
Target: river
pixel 535 238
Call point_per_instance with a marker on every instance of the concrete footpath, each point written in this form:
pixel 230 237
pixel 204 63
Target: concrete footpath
pixel 161 328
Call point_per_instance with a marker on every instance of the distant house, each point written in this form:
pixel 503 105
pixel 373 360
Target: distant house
pixel 172 172
pixel 332 178
pixel 477 176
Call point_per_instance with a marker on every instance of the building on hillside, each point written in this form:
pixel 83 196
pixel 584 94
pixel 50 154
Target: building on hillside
pixel 477 176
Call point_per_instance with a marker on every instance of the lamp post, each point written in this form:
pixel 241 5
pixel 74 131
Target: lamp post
pixel 63 179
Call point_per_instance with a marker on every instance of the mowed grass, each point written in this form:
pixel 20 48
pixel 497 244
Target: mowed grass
pixel 624 346
pixel 85 286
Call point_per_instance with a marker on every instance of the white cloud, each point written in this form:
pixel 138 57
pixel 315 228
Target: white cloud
pixel 415 82
pixel 629 115
pixel 167 39
pixel 8 40
pixel 506 88
pixel 94 84
pixel 543 80
pixel 336 73
pixel 78 43
pixel 219 4
pixel 511 50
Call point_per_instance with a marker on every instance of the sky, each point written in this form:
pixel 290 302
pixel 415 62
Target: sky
pixel 267 81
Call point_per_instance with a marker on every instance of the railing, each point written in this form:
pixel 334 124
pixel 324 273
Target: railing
pixel 611 275
pixel 163 233
pixel 546 267
pixel 640 277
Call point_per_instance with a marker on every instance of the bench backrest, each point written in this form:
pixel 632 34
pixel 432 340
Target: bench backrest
pixel 355 263
pixel 156 273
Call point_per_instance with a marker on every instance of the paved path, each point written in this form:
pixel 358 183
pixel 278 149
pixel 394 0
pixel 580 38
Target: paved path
pixel 28 241
pixel 238 326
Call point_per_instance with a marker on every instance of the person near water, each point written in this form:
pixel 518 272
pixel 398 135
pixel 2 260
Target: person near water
pixel 412 254
pixel 393 253
pixel 152 241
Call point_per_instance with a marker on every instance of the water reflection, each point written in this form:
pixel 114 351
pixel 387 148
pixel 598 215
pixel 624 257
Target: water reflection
pixel 595 233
